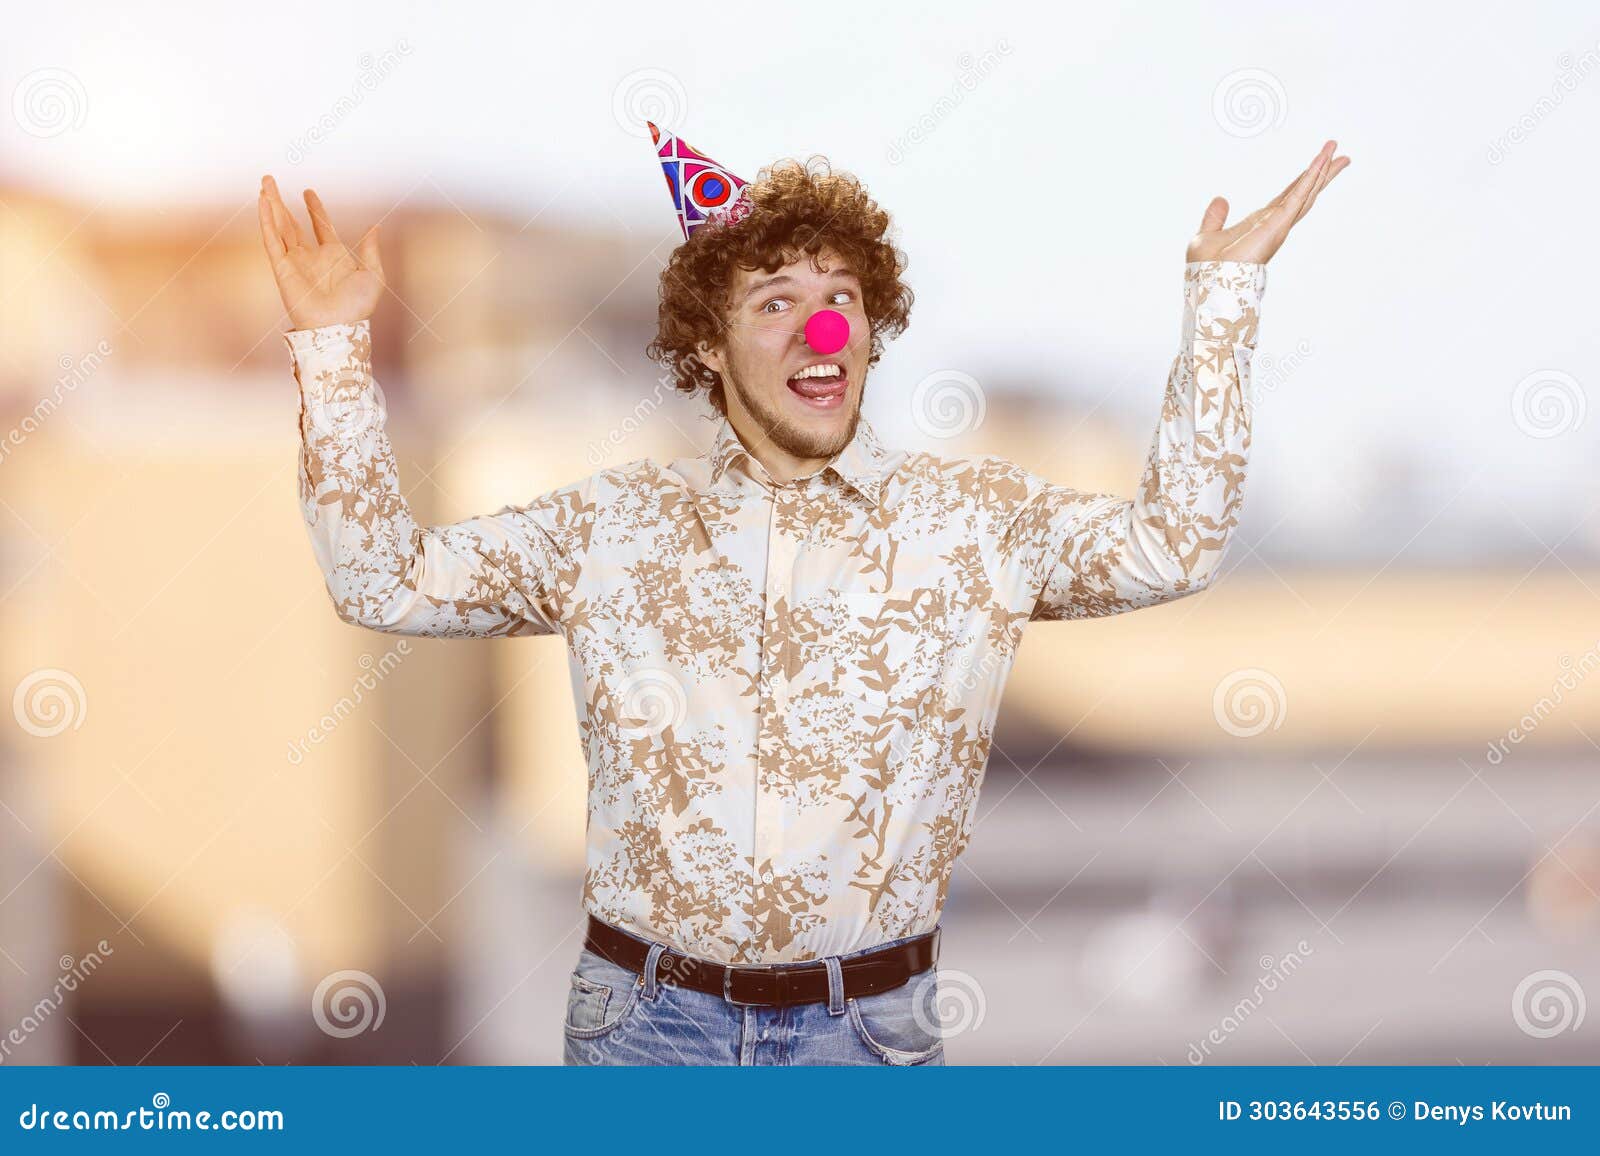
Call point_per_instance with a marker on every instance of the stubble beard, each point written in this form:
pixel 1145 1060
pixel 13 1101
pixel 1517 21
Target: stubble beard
pixel 788 436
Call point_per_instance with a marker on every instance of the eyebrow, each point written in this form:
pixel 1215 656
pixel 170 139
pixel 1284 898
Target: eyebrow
pixel 782 278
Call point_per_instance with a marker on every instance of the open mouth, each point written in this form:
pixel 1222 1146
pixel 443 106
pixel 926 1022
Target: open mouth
pixel 821 386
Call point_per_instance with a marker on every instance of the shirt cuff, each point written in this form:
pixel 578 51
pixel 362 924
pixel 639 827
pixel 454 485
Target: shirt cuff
pixel 330 342
pixel 1222 300
pixel 333 363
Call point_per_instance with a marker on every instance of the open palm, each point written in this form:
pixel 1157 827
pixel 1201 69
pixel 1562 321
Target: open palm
pixel 324 282
pixel 1258 236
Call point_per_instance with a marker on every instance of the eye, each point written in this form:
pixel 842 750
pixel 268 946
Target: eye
pixel 846 294
pixel 767 308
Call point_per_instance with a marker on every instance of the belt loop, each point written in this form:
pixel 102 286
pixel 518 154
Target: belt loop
pixel 650 961
pixel 835 985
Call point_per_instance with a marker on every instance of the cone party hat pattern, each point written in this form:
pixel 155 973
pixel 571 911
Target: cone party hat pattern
pixel 703 192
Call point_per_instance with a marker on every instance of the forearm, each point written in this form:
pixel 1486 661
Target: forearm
pixel 1192 489
pixel 1099 554
pixel 382 569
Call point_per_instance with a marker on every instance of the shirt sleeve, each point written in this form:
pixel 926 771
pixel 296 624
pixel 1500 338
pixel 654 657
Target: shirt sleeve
pixel 499 574
pixel 1090 555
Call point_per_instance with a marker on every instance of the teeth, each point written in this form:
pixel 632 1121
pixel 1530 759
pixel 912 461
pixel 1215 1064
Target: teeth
pixel 829 370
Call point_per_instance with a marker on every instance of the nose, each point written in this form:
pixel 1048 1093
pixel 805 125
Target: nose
pixel 827 331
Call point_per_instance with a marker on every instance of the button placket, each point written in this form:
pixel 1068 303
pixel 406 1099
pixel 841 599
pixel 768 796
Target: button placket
pixel 774 686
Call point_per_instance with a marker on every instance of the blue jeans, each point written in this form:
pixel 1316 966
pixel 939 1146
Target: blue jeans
pixel 617 1016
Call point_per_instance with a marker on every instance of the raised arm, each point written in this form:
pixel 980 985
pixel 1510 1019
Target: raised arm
pixel 1090 555
pixel 499 574
pixel 1099 554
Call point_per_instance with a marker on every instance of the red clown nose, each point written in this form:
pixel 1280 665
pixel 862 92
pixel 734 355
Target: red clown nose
pixel 827 331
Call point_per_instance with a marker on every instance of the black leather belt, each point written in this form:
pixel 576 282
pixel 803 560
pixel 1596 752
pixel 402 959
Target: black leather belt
pixel 773 984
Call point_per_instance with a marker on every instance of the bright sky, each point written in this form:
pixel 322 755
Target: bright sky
pixel 1064 158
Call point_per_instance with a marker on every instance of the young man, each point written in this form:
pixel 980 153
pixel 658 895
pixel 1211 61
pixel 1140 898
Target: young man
pixel 789 650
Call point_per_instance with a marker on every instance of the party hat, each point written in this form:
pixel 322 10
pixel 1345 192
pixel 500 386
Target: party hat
pixel 703 192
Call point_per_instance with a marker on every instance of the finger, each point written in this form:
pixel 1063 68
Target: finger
pixel 1332 169
pixel 1277 201
pixel 281 217
pixel 1215 216
pixel 1286 190
pixel 1290 187
pixel 1288 210
pixel 321 223
pixel 1322 181
pixel 367 252
pixel 269 230
pixel 1316 187
pixel 1275 227
pixel 287 228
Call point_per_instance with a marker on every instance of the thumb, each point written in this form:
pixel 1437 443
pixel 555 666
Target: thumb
pixel 1216 214
pixel 367 252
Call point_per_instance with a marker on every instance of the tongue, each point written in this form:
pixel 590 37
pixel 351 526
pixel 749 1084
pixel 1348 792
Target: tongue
pixel 816 386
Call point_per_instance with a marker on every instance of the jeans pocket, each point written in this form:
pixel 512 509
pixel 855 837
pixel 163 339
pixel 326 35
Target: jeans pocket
pixel 900 1026
pixel 599 997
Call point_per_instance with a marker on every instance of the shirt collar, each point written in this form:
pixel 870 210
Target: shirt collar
pixel 860 464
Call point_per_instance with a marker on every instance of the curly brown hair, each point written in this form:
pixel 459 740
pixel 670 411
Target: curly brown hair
pixel 796 209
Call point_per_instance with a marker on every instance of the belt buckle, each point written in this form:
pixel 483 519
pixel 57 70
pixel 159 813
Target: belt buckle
pixel 727 981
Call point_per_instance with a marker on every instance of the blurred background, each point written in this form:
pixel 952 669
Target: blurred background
pixel 1344 806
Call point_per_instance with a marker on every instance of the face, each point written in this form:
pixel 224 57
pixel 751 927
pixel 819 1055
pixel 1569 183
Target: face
pixel 804 419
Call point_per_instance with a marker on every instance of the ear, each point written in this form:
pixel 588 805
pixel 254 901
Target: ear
pixel 710 356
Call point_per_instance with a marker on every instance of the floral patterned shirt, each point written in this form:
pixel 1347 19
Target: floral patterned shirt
pixel 786 692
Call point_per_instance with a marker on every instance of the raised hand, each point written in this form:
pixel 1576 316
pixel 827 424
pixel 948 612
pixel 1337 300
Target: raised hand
pixel 321 283
pixel 1257 237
